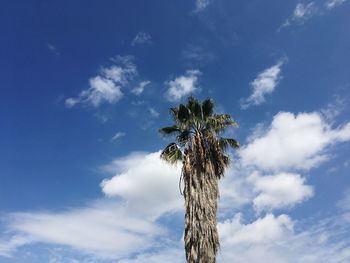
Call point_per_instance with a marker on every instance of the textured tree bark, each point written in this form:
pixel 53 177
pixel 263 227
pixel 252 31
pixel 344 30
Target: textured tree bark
pixel 201 194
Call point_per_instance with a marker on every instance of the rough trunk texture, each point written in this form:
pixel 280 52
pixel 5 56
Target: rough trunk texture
pixel 201 172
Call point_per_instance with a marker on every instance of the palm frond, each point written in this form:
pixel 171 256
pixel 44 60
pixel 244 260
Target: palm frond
pixel 219 122
pixel 184 137
pixel 207 108
pixel 171 153
pixel 195 108
pixel 183 114
pixel 173 112
pixel 226 142
pixel 170 130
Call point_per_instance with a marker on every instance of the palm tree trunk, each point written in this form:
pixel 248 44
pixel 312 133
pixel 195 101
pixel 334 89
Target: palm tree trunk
pixel 201 195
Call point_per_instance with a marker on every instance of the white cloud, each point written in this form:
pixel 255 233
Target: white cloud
pixel 9 246
pixel 235 190
pixel 142 38
pixel 141 87
pixel 106 87
pixel 122 73
pixel 263 230
pixel 301 13
pixel 271 238
pixel 265 83
pixel 330 4
pixel 293 142
pixel 102 89
pixel 304 12
pixel 279 191
pixel 117 136
pixel 183 85
pixel 149 185
pixel 274 239
pixel 201 5
pixel 128 229
pixel 147 188
pixel 107 230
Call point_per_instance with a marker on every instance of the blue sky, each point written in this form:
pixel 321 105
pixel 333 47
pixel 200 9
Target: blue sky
pixel 85 86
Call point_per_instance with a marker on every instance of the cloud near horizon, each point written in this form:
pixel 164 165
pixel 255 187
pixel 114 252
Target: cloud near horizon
pixel 101 232
pixel 143 191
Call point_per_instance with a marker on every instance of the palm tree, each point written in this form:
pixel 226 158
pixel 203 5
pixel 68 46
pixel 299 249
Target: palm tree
pixel 203 154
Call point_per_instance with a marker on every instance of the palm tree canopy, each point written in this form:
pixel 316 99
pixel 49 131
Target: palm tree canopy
pixel 193 119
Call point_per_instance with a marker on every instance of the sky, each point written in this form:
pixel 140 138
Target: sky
pixel 85 86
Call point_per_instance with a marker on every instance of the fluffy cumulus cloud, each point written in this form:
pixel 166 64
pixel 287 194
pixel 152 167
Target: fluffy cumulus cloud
pixel 107 86
pixel 279 190
pixel 142 38
pixel 149 185
pixel 265 229
pixel 264 84
pixel 274 239
pixel 293 142
pixel 235 190
pixel 183 85
pixel 145 189
pixel 129 228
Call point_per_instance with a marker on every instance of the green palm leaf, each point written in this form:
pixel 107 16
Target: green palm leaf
pixel 228 142
pixel 195 108
pixel 171 153
pixel 219 122
pixel 183 114
pixel 184 137
pixel 207 108
pixel 171 130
